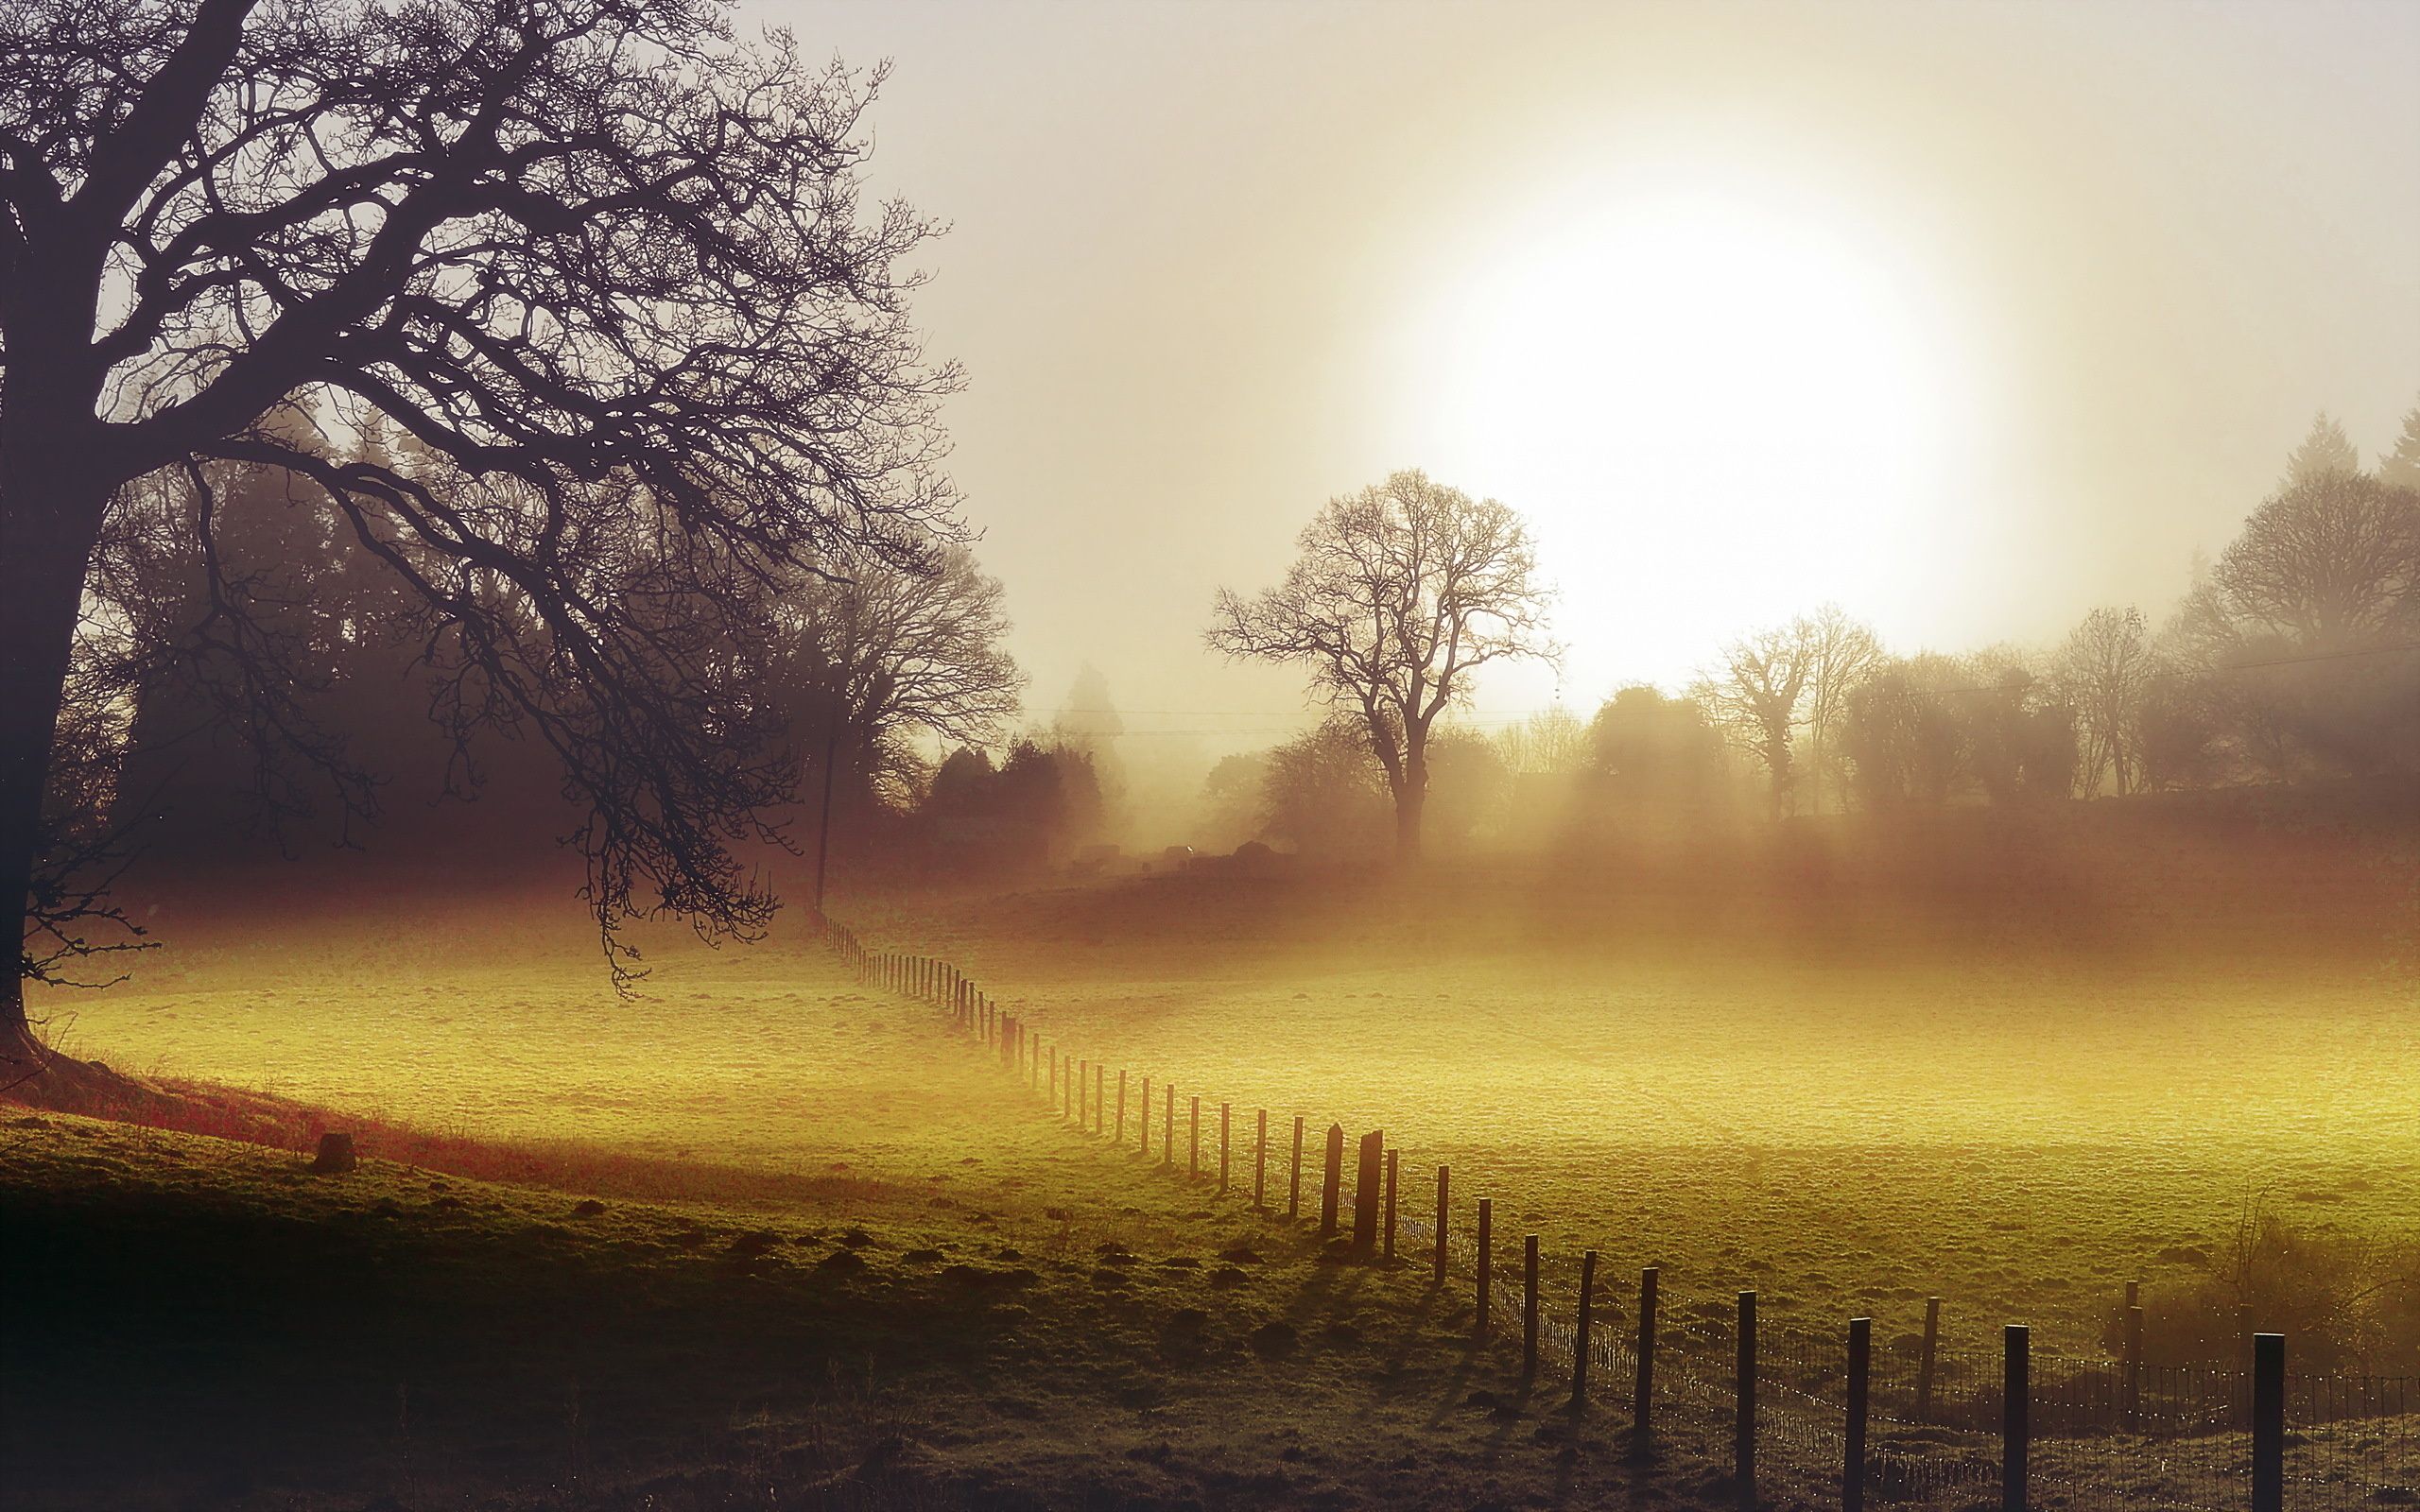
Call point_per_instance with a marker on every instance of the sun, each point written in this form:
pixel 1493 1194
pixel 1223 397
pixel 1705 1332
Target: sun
pixel 1718 404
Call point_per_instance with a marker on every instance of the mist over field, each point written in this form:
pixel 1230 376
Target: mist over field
pixel 817 755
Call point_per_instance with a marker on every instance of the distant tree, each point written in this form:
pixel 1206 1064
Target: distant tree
pixel 2324 452
pixel 1040 802
pixel 1655 758
pixel 1089 718
pixel 2106 669
pixel 2330 562
pixel 1232 798
pixel 1470 787
pixel 1754 697
pixel 1400 593
pixel 1840 653
pixel 1551 741
pixel 1901 735
pixel 1089 722
pixel 2400 468
pixel 609 268
pixel 1324 791
pixel 871 661
pixel 2017 733
pixel 2181 724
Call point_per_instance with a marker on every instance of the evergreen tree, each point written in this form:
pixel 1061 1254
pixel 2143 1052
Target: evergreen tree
pixel 2400 468
pixel 2325 450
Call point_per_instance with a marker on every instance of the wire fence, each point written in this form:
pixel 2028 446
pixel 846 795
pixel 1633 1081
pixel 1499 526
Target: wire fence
pixel 1933 1427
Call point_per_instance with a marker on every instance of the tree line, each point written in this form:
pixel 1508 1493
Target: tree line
pixel 2294 656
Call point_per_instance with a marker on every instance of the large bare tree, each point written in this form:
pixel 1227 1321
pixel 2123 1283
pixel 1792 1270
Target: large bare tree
pixel 2328 563
pixel 607 267
pixel 1400 593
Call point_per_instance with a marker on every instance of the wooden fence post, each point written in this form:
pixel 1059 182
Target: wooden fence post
pixel 1223 1111
pixel 1168 1128
pixel 1143 1125
pixel 1054 1077
pixel 1119 1138
pixel 1642 1396
pixel 1743 1426
pixel 2268 1422
pixel 1193 1146
pixel 1260 1164
pixel 1861 1384
pixel 1294 1182
pixel 1529 1307
pixel 1100 1074
pixel 1925 1360
pixel 1365 1194
pixel 1332 1180
pixel 1486 1264
pixel 2017 1389
pixel 2132 1355
pixel 1395 1159
pixel 1083 1072
pixel 1580 1331
pixel 1443 1179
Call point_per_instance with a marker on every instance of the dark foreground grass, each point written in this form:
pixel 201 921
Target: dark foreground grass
pixel 198 1323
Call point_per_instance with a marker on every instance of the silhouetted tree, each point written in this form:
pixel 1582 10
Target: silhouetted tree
pixel 606 266
pixel 1233 798
pixel 870 662
pixel 1401 592
pixel 1841 653
pixel 2324 452
pixel 2017 733
pixel 1754 698
pixel 1038 805
pixel 1655 758
pixel 1901 736
pixel 1324 791
pixel 2400 468
pixel 2106 669
pixel 2329 562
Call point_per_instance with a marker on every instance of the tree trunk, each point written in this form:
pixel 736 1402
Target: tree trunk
pixel 1411 801
pixel 51 503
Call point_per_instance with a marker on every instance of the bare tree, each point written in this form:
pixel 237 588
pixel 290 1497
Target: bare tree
pixel 608 268
pixel 864 667
pixel 1552 742
pixel 1401 592
pixel 1840 654
pixel 2328 563
pixel 1754 697
pixel 2107 670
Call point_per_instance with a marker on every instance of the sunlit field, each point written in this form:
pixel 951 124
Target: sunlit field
pixel 2018 1111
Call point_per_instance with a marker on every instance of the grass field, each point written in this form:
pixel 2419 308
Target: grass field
pixel 890 1280
pixel 2015 1075
pixel 1850 1095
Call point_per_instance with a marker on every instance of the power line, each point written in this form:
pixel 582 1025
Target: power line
pixel 1516 715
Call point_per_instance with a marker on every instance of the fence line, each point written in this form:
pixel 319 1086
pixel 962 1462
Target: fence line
pixel 1932 1426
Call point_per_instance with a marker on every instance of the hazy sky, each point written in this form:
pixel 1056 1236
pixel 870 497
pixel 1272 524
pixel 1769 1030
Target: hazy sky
pixel 1966 317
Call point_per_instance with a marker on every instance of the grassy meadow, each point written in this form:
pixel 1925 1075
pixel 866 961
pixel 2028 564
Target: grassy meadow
pixel 602 1241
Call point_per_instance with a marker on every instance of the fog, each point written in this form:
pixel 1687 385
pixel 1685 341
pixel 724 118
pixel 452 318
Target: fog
pixel 1207 269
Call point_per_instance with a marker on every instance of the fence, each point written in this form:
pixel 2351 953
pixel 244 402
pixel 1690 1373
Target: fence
pixel 1808 1414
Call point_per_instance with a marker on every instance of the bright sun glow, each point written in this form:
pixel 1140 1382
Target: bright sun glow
pixel 1718 406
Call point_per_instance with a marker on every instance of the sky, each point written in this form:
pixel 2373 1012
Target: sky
pixel 1969 317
